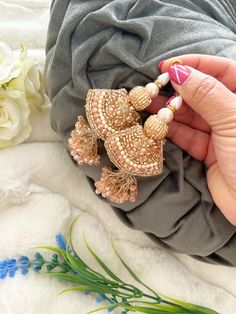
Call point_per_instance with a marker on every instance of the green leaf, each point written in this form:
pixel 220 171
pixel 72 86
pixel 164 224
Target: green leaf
pixel 74 251
pixel 76 265
pixel 103 308
pixel 103 265
pixel 134 308
pixel 139 309
pixel 67 277
pixel 82 281
pixel 196 309
pixel 81 288
pixel 50 248
pixel 145 309
pixel 86 279
pixel 84 272
pixel 164 307
pixel 133 274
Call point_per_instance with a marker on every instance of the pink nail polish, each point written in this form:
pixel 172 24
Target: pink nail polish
pixel 169 100
pixel 160 64
pixel 179 73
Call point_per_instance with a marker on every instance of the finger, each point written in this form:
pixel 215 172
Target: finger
pixel 187 116
pixel 193 141
pixel 211 157
pixel 223 69
pixel 205 95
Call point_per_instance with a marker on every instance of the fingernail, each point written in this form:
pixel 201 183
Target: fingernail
pixel 160 64
pixel 169 100
pixel 179 73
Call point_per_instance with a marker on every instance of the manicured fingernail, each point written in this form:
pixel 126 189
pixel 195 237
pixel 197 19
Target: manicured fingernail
pixel 160 64
pixel 179 73
pixel 169 100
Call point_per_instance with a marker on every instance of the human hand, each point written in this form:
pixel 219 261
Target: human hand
pixel 205 126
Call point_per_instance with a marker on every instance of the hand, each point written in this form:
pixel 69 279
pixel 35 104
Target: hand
pixel 205 126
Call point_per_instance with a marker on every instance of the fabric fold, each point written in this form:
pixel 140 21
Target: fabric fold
pixel 114 44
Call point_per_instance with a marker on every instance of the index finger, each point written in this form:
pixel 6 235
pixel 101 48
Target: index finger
pixel 223 69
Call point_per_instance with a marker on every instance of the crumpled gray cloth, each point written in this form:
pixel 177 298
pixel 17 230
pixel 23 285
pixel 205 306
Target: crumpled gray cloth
pixel 114 44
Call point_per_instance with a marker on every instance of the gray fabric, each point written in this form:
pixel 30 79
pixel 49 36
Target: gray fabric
pixel 114 44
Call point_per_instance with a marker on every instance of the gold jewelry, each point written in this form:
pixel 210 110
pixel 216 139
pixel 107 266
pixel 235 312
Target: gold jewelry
pixel 107 111
pixel 133 149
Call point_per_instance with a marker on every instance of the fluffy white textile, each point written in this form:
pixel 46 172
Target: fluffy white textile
pixel 40 193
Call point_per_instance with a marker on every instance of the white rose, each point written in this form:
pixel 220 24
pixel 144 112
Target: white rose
pixel 30 81
pixel 15 124
pixel 9 66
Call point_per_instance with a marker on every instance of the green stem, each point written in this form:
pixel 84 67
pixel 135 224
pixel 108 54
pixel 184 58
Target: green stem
pixel 153 298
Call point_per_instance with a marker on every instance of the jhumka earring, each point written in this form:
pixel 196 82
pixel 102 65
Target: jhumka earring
pixel 107 111
pixel 134 149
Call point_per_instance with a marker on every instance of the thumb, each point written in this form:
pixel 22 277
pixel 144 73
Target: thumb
pixel 204 94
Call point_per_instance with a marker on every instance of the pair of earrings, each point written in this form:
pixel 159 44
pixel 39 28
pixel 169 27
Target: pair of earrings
pixel 135 150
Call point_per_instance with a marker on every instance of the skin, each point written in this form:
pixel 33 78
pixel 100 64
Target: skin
pixel 205 126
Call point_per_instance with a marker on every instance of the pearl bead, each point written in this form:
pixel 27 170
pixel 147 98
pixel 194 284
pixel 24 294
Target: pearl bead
pixel 176 102
pixel 153 89
pixel 163 78
pixel 165 114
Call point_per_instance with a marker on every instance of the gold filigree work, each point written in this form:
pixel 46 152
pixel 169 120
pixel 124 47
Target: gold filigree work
pixel 135 150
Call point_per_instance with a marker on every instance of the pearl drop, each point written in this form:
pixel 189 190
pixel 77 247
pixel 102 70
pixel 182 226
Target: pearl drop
pixel 176 102
pixel 163 78
pixel 153 89
pixel 165 114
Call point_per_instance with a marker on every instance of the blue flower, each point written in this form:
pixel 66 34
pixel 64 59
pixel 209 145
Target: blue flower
pixel 100 298
pixel 24 265
pixel 8 267
pixel 111 308
pixel 61 242
pixel 3 272
pixel 37 267
pixel 24 260
pixel 87 292
pixel 24 271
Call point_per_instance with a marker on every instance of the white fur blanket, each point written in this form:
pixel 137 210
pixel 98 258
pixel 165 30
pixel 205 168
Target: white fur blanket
pixel 40 193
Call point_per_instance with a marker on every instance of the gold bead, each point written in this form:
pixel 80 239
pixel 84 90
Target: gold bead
pixel 155 128
pixel 140 98
pixel 171 107
pixel 175 61
pixel 158 83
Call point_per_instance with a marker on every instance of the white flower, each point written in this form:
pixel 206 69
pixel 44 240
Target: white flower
pixel 15 124
pixel 9 66
pixel 30 81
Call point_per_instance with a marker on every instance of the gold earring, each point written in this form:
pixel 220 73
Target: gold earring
pixel 133 149
pixel 107 111
pixel 137 151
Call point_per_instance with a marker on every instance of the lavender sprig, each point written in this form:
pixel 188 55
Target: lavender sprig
pixel 65 264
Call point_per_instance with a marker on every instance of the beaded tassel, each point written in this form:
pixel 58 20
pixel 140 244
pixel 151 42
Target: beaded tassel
pixel 83 144
pixel 117 186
